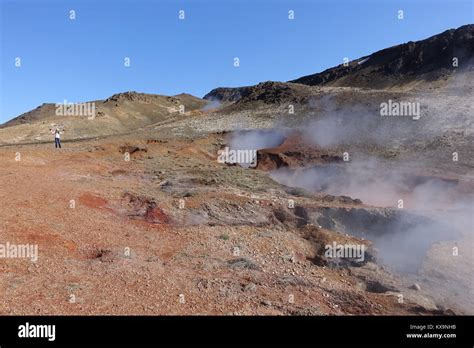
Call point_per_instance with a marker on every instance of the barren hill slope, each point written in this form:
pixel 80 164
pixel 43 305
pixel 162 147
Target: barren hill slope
pixel 120 113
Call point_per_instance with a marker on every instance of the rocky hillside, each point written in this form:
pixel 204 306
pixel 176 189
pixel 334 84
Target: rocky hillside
pixel 120 113
pixel 227 94
pixel 421 61
pixel 269 92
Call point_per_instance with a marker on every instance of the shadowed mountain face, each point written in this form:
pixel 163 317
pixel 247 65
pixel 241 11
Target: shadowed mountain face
pixel 227 94
pixel 425 60
pixel 270 92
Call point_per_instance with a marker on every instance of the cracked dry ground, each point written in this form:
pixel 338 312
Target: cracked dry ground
pixel 171 232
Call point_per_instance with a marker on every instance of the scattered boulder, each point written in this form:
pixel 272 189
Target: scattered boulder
pixel 131 149
pixel 143 208
pixel 250 287
pixel 243 263
pixel 377 287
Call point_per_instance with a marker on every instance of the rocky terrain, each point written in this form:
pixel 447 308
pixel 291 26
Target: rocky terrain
pixel 136 215
pixel 412 65
pixel 118 114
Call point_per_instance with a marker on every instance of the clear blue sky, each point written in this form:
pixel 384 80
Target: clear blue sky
pixel 82 59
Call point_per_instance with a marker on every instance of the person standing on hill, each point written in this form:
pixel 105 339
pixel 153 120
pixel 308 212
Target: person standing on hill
pixel 57 137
